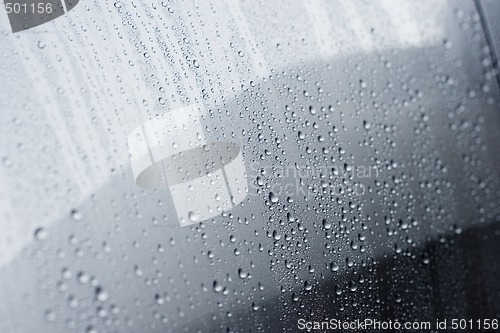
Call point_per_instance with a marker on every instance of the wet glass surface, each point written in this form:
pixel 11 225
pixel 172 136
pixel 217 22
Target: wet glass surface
pixel 368 137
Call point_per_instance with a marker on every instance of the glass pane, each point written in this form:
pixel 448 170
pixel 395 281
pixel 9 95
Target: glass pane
pixel 247 166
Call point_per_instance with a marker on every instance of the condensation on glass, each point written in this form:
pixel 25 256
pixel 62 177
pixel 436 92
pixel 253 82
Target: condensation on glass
pixel 365 142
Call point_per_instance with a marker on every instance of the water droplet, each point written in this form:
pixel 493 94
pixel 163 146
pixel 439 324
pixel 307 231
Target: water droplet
pixel 49 315
pixel 217 287
pixel 242 274
pixel 6 162
pixel 41 234
pixel 276 235
pixel 82 278
pixel 159 299
pixel 137 271
pixel 76 215
pixel 101 295
pixel 273 197
pixel 193 216
pixel 327 224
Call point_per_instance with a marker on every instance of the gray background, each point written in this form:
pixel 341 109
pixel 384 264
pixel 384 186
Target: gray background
pixel 407 87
